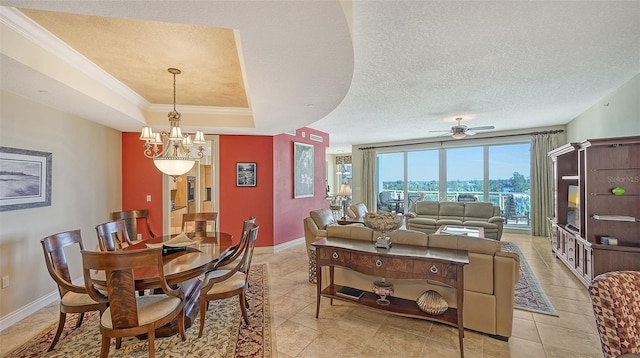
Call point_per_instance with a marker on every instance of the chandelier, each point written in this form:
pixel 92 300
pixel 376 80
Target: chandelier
pixel 171 151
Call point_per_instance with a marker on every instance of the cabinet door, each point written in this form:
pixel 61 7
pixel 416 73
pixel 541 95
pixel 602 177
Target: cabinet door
pixel 571 250
pixel 580 256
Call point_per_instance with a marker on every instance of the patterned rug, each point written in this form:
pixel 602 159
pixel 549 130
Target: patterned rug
pixel 224 335
pixel 529 293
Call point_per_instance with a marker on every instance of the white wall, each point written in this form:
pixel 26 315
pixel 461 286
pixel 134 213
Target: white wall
pixel 86 187
pixel 616 115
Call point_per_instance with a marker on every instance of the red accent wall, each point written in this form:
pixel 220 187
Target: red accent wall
pixel 289 212
pixel 238 203
pixel 271 201
pixel 139 179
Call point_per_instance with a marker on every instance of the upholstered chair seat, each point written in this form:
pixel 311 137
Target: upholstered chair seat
pixel 150 309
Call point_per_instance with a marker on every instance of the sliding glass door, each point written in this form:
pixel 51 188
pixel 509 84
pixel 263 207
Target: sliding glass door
pixel 497 173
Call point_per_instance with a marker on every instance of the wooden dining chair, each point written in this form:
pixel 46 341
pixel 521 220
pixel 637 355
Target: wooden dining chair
pixel 73 298
pixel 131 219
pixel 113 236
pixel 129 315
pixel 229 261
pixel 220 284
pixel 197 223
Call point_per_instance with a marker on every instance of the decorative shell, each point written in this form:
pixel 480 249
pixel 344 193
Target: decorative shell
pixel 432 303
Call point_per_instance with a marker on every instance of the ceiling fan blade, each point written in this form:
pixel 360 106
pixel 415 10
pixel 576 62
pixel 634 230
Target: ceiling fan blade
pixel 470 132
pixel 481 128
pixel 448 131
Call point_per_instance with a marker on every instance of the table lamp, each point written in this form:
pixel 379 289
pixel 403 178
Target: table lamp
pixel 345 192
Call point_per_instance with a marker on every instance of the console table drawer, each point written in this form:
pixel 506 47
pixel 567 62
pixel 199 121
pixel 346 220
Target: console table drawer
pixel 434 268
pixel 330 256
pixel 380 262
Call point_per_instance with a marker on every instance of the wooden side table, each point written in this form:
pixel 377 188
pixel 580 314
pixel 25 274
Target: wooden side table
pixel 398 262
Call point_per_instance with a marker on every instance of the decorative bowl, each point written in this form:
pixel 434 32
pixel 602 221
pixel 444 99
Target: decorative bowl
pixel 383 289
pixel 383 221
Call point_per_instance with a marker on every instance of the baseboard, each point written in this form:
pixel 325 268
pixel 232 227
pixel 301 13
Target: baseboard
pixel 277 248
pixel 27 310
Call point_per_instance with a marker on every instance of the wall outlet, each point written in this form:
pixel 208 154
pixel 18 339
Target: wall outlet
pixel 5 281
pixel 148 198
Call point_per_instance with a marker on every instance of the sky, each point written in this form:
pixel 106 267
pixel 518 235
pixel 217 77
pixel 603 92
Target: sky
pixel 462 163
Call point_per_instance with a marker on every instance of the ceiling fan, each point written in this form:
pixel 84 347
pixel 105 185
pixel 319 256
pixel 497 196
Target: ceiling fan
pixel 460 131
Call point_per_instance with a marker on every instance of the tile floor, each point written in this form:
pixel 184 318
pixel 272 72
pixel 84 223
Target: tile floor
pixel 345 330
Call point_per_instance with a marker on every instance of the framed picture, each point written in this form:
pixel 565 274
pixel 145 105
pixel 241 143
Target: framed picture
pixel 246 174
pixel 25 177
pixel 303 170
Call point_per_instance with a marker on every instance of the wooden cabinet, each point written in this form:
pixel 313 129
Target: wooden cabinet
pixel 596 167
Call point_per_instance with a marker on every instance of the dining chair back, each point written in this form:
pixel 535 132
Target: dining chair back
pixel 113 236
pixel 131 219
pixel 198 223
pixel 220 283
pixel 129 315
pixel 232 254
pixel 73 298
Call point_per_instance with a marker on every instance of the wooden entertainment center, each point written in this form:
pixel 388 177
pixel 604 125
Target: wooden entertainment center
pixel 606 232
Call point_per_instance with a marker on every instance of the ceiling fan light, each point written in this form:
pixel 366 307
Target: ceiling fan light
pixel 458 135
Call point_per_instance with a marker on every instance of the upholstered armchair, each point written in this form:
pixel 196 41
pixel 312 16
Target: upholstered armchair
pixel 615 297
pixel 315 226
pixel 357 212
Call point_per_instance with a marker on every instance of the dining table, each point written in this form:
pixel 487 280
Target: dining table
pixel 183 264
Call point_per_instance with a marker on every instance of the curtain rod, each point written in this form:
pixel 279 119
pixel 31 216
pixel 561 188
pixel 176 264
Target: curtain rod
pixel 453 140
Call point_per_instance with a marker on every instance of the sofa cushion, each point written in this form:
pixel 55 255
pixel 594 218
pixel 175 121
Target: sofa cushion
pixel 427 208
pixel 322 218
pixel 408 237
pixel 354 232
pixel 453 211
pixel 478 211
pixel 484 224
pixel 422 221
pixel 481 251
pixel 357 211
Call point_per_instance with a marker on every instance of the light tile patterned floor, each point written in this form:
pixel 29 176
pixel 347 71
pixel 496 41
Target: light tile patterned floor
pixel 345 330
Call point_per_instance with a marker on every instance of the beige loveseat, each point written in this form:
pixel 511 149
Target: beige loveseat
pixel 428 216
pixel 489 278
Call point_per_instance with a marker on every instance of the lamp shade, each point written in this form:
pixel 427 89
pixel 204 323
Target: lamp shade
pixel 174 167
pixel 345 190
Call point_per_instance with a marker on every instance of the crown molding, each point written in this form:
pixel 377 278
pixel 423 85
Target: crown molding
pixel 23 25
pixel 229 111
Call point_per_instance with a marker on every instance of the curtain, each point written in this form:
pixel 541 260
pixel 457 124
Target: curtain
pixel 541 182
pixel 369 179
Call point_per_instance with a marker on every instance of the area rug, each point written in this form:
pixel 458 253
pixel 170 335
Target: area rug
pixel 224 335
pixel 529 293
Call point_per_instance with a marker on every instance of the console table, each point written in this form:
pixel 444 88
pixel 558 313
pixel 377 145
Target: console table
pixel 398 262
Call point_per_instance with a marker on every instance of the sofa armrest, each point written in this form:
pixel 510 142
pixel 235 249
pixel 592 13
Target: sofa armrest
pixel 410 214
pixel 506 271
pixel 495 219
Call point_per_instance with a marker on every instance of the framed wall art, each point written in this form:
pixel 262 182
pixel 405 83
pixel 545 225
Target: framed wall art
pixel 25 177
pixel 303 170
pixel 246 174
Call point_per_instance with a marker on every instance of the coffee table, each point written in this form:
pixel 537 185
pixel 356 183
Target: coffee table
pixel 473 231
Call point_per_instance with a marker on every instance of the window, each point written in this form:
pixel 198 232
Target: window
pixel 497 173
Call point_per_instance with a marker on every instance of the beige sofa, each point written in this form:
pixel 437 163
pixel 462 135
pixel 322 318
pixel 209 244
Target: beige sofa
pixel 428 216
pixel 489 278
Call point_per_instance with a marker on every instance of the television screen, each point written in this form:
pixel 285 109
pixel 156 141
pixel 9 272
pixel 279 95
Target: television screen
pixel 573 208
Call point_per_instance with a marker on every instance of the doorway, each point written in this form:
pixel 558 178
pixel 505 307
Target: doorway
pixel 193 192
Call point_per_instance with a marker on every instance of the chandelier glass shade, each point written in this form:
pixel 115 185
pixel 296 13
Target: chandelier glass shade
pixel 172 151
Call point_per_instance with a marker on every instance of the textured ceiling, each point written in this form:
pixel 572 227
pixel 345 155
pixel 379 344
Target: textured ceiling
pixel 404 68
